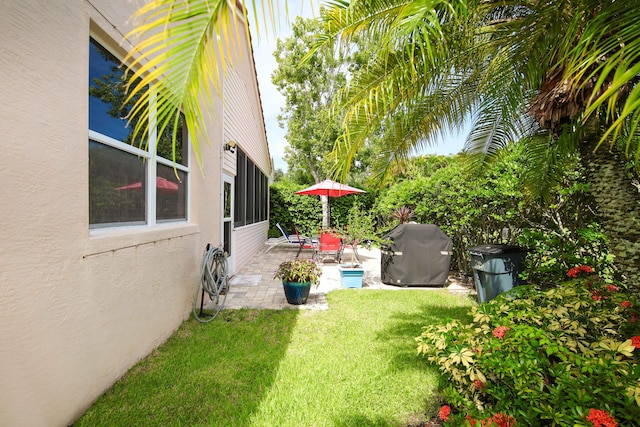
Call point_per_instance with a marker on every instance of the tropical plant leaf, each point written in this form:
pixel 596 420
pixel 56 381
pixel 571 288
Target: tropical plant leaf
pixel 521 68
pixel 182 50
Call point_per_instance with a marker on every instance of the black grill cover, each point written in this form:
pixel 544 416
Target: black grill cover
pixel 418 255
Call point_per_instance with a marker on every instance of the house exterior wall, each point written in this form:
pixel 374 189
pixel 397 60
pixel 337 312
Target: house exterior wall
pixel 243 124
pixel 247 238
pixel 243 119
pixel 79 307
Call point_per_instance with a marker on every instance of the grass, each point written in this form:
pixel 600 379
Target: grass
pixel 353 365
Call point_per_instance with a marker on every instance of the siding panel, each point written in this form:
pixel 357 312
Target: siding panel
pixel 249 240
pixel 243 121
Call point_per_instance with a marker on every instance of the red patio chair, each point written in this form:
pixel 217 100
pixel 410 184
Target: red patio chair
pixel 305 242
pixel 330 244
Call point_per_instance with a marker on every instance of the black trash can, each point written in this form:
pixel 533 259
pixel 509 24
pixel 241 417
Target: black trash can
pixel 496 269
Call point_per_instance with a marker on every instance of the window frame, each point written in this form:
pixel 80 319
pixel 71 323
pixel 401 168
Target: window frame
pixel 149 156
pixel 251 196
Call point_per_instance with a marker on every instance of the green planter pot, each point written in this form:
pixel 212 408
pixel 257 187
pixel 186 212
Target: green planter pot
pixel 296 293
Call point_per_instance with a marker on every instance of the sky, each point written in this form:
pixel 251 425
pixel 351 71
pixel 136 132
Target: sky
pixel 264 44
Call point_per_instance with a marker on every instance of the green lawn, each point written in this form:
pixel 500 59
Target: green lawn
pixel 353 365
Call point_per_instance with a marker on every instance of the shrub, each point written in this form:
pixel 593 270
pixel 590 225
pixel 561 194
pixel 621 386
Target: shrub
pixel 551 254
pixel 299 270
pixel 471 211
pixel 559 231
pixel 290 209
pixel 553 357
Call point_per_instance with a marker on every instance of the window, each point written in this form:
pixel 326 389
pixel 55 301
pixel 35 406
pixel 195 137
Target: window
pixel 251 192
pixel 240 189
pixel 128 185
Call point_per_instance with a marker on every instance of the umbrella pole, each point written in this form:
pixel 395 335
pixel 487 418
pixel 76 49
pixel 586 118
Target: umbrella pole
pixel 326 211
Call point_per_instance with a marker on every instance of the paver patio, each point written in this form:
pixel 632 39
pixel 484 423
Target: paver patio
pixel 254 286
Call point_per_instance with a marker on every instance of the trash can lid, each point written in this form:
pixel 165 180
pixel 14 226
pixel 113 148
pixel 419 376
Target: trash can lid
pixel 497 249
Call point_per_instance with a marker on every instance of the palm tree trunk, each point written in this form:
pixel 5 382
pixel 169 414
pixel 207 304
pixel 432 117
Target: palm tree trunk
pixel 617 195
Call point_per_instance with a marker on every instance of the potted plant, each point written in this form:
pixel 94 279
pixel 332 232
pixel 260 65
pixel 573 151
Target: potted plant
pixel 297 277
pixel 360 228
pixel 403 214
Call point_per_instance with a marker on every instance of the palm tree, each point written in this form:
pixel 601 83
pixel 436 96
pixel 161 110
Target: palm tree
pixel 561 76
pixel 522 68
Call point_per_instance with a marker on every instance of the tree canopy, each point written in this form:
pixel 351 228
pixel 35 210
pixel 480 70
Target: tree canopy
pixel 308 89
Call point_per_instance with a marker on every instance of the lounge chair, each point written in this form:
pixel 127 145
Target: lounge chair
pixel 299 241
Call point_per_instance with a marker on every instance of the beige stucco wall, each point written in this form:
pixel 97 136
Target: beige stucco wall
pixel 77 307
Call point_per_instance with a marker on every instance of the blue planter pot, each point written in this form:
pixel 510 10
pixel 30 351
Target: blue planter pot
pixel 296 293
pixel 351 277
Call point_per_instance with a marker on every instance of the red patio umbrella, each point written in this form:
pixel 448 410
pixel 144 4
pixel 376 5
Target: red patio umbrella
pixel 330 189
pixel 162 184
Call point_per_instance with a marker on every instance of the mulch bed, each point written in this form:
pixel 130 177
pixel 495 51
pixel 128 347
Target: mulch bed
pixel 431 423
pixel 463 280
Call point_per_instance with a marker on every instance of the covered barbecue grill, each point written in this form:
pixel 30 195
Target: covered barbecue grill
pixel 417 255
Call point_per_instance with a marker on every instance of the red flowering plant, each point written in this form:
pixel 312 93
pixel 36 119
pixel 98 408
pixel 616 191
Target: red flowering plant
pixel 499 331
pixel 601 418
pixel 575 272
pixel 444 412
pixel 542 355
pixel 499 419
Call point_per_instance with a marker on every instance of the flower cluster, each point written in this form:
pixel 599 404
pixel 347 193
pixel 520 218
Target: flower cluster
pixel 598 295
pixel 576 271
pixel 635 341
pixel 444 412
pixel 601 418
pixel 600 290
pixel 500 331
pixel 497 420
pixel 500 420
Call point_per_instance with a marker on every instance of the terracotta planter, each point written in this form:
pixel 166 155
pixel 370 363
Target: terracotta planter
pixel 296 293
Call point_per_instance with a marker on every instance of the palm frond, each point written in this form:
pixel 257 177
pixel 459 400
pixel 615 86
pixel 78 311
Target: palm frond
pixel 182 49
pixel 400 91
pixel 606 61
pixel 546 160
pixel 524 67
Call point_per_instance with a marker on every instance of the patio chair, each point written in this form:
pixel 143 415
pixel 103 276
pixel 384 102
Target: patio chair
pixel 299 241
pixel 330 244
